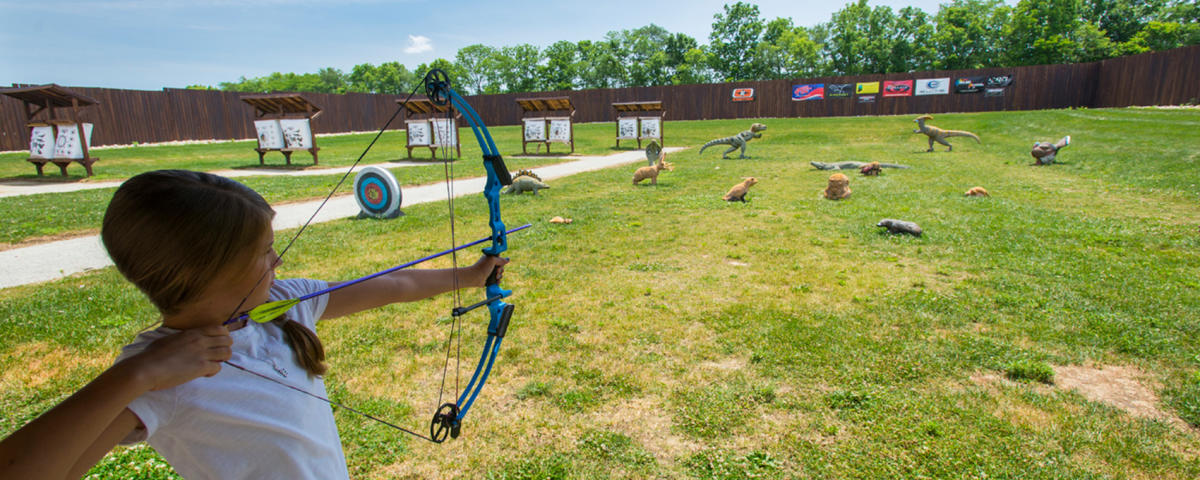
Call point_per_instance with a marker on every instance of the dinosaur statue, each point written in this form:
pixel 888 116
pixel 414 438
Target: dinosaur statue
pixel 1044 152
pixel 526 181
pixel 938 135
pixel 739 191
pixel 851 165
pixel 737 141
pixel 977 192
pixel 652 172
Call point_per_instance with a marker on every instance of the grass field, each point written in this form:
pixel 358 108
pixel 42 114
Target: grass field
pixel 669 334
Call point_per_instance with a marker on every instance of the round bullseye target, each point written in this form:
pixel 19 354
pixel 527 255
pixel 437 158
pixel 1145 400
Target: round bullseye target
pixel 377 193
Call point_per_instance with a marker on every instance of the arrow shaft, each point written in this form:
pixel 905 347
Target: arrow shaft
pixel 381 273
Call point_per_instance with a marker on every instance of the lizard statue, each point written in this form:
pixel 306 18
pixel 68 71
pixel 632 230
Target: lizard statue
pixel 852 165
pixel 737 141
pixel 938 135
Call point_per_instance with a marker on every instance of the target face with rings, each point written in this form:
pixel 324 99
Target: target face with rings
pixel 377 193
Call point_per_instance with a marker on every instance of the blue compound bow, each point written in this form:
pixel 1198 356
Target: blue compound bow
pixel 448 418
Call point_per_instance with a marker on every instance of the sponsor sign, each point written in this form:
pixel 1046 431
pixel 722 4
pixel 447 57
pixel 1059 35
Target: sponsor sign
pixel 993 92
pixel 994 81
pixel 866 99
pixel 968 84
pixel 897 88
pixel 814 91
pixel 743 94
pixel 932 86
pixel 867 88
pixel 839 89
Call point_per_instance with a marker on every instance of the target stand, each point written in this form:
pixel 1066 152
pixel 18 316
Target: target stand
pixel 377 193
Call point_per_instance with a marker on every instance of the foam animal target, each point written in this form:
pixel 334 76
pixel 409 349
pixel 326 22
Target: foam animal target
pixel 377 193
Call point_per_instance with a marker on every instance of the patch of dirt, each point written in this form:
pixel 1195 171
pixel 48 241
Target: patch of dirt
pixel 1116 386
pixel 28 242
pixel 34 364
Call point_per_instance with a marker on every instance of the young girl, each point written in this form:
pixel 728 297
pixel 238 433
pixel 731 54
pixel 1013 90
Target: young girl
pixel 200 247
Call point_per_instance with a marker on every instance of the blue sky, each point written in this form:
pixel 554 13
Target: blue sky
pixel 151 44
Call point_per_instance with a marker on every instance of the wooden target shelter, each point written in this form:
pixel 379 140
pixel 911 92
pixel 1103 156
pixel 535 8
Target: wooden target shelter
pixel 547 120
pixel 61 137
pixel 640 120
pixel 283 122
pixel 428 125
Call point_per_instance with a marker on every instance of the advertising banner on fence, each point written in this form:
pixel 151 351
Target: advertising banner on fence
pixel 897 88
pixel 995 81
pixel 968 85
pixel 994 92
pixel 838 89
pixel 812 91
pixel 933 86
pixel 867 88
pixel 866 99
pixel 743 94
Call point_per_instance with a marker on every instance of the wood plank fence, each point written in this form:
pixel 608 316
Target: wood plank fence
pixel 1169 77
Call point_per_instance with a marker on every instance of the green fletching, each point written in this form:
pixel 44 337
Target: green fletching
pixel 272 310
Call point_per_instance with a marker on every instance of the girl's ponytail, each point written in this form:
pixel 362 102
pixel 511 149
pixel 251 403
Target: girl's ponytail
pixel 310 354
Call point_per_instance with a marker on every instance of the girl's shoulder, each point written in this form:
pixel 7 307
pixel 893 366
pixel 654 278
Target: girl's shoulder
pixel 283 289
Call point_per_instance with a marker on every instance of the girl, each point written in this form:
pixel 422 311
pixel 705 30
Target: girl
pixel 195 244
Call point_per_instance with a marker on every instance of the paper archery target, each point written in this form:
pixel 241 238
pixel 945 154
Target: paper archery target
pixel 377 193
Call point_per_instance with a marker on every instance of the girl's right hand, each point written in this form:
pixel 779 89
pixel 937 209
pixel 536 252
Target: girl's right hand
pixel 181 357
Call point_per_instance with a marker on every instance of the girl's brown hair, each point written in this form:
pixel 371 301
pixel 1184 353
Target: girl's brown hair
pixel 173 233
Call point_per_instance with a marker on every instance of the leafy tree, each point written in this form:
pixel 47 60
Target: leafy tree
pixel 561 70
pixel 861 39
pixel 910 41
pixel 968 34
pixel 694 68
pixel 733 40
pixel 477 67
pixel 601 64
pixel 391 78
pixel 787 51
pixel 518 68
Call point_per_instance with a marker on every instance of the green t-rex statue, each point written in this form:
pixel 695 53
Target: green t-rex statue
pixel 938 135
pixel 737 141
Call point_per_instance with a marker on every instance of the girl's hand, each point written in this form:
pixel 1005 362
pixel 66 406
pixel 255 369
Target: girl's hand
pixel 478 273
pixel 181 357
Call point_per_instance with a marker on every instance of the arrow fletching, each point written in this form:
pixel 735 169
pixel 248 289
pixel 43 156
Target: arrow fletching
pixel 272 310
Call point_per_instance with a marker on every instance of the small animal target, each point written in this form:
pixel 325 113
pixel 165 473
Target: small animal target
pixel 377 193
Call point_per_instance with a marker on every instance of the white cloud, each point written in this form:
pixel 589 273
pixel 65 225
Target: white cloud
pixel 418 44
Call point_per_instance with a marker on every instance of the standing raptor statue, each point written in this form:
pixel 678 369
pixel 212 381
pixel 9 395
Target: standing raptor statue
pixel 737 141
pixel 938 135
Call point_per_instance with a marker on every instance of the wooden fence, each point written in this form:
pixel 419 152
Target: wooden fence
pixel 1159 78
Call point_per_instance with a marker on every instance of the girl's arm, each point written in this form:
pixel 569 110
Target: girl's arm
pixel 408 286
pixel 71 437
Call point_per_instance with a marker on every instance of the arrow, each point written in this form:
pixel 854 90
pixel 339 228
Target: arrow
pixel 272 310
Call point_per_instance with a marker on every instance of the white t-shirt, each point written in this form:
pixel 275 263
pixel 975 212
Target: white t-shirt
pixel 235 425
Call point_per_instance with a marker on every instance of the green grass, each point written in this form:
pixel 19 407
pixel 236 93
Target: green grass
pixel 669 334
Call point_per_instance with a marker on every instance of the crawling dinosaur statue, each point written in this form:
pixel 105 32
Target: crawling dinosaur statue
pixel 938 135
pixel 739 191
pixel 852 165
pixel 526 181
pixel 1044 152
pixel 737 141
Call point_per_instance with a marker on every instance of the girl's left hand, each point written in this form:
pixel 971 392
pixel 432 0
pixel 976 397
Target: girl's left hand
pixel 483 268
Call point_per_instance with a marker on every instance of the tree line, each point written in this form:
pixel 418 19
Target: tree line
pixel 858 39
